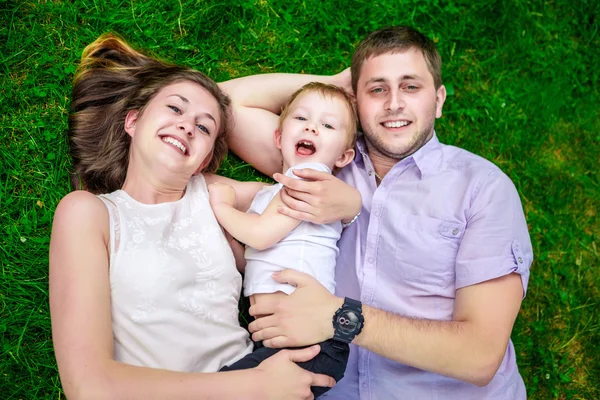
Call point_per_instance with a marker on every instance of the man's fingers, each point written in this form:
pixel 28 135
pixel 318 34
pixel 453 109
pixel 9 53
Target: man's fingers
pixel 293 277
pixel 266 334
pixel 300 215
pixel 303 355
pixel 267 306
pixel 297 195
pixel 279 342
pixel 296 184
pixel 312 174
pixel 322 380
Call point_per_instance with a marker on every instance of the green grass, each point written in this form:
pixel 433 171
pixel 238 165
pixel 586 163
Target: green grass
pixel 523 80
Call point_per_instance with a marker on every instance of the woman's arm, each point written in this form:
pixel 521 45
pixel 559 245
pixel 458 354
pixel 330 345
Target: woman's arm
pixel 82 327
pixel 257 231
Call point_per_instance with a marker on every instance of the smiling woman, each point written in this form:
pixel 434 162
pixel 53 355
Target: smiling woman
pixel 144 288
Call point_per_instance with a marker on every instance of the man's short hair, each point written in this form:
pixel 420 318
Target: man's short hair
pixel 396 39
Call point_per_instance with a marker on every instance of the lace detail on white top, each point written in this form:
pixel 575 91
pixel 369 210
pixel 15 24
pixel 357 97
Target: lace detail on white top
pixel 174 285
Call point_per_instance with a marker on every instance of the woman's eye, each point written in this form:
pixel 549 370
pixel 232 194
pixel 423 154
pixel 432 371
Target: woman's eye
pixel 175 108
pixel 203 128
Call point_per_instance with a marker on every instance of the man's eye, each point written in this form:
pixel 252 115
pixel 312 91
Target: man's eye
pixel 328 126
pixel 412 87
pixel 203 128
pixel 377 90
pixel 175 108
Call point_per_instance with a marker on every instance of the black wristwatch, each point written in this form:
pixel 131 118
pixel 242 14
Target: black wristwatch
pixel 348 321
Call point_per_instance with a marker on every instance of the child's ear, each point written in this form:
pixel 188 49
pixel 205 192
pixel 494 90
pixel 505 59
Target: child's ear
pixel 345 158
pixel 205 163
pixel 277 139
pixel 130 120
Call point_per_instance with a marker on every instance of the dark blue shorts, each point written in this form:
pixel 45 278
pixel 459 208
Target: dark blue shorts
pixel 330 361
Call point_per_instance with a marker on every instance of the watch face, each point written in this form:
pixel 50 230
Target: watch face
pixel 348 322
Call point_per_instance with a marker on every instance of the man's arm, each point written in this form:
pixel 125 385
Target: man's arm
pixel 257 231
pixel 469 348
pixel 257 101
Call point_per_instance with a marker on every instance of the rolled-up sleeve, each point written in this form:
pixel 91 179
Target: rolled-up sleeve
pixel 496 240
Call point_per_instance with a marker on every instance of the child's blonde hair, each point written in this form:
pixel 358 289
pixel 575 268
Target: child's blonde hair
pixel 331 91
pixel 113 79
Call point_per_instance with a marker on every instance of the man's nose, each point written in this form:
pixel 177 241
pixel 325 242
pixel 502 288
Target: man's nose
pixel 395 102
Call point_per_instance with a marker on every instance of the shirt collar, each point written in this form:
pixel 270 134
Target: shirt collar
pixel 428 158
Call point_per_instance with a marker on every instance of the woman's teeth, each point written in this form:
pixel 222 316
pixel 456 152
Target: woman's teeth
pixel 175 143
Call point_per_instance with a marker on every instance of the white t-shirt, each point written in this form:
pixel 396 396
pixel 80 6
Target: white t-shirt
pixel 173 283
pixel 310 248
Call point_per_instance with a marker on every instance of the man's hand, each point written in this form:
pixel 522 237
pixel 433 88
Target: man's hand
pixel 283 379
pixel 321 198
pixel 344 80
pixel 221 193
pixel 304 317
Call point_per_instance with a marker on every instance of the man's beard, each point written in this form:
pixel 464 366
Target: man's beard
pixel 388 150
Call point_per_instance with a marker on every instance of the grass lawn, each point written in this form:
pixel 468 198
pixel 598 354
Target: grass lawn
pixel 522 78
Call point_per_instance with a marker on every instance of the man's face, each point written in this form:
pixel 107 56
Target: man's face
pixel 397 103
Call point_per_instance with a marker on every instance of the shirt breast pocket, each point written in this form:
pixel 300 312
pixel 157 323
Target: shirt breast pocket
pixel 426 249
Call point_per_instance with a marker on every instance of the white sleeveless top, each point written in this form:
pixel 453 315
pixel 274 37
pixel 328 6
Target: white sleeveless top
pixel 310 248
pixel 174 285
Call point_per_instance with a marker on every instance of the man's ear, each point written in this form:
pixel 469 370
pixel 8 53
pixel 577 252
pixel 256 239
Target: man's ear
pixel 440 98
pixel 277 139
pixel 205 163
pixel 130 120
pixel 345 158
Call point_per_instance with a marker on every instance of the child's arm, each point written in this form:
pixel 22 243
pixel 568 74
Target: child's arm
pixel 244 191
pixel 257 231
pixel 82 328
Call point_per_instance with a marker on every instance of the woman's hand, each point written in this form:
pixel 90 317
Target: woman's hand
pixel 283 379
pixel 321 198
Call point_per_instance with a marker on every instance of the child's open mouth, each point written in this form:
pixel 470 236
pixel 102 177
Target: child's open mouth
pixel 305 148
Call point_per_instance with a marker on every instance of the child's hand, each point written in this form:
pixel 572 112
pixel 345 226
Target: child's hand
pixel 221 193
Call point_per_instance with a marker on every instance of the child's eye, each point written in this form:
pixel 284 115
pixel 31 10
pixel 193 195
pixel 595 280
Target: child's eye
pixel 175 108
pixel 328 126
pixel 301 118
pixel 203 128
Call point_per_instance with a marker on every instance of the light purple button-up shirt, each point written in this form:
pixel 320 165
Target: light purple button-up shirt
pixel 440 220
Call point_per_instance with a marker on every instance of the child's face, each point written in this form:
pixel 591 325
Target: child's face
pixel 315 130
pixel 177 129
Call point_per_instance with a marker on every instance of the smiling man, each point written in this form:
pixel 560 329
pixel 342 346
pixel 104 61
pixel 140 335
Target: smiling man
pixel 432 271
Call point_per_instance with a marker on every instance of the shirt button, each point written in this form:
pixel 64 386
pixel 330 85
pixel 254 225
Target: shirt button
pixel 371 260
pixel 370 173
pixel 455 231
pixel 520 260
pixel 364 385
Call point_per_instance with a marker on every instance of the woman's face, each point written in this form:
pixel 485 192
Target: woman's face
pixel 176 131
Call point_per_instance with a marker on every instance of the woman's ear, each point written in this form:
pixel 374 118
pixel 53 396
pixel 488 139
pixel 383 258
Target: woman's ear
pixel 130 120
pixel 345 158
